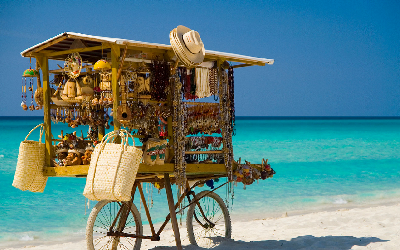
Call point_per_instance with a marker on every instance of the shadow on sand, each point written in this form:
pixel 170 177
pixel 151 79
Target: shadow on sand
pixel 302 242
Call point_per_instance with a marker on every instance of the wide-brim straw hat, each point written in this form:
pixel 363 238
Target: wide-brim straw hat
pixel 187 45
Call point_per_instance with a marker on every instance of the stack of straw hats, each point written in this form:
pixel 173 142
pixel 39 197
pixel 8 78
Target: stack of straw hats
pixel 187 45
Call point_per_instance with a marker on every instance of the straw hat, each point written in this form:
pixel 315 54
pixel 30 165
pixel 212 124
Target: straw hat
pixel 187 45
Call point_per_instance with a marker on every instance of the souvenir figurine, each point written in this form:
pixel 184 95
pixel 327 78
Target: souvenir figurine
pixel 87 86
pixel 87 156
pixel 72 92
pixel 73 158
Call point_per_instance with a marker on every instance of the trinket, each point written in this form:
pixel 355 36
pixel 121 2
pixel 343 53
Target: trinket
pixel 73 65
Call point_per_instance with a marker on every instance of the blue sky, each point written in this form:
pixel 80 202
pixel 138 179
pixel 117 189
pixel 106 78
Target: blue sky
pixel 332 58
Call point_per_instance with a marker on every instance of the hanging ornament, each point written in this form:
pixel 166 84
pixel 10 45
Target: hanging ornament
pixel 31 107
pixel 102 65
pixel 73 65
pixel 30 73
pixel 23 95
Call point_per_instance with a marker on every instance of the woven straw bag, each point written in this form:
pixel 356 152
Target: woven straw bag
pixel 31 161
pixel 113 168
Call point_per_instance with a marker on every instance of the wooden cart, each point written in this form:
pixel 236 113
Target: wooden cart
pixel 113 224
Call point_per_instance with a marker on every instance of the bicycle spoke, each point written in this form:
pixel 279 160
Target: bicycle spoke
pixel 103 217
pixel 208 224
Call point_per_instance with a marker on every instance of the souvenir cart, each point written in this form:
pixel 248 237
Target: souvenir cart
pixel 177 99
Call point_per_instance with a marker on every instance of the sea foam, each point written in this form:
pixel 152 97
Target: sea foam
pixel 26 238
pixel 340 201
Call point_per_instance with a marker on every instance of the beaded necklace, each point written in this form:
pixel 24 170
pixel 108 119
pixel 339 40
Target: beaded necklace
pixel 231 90
pixel 226 128
pixel 178 124
pixel 160 72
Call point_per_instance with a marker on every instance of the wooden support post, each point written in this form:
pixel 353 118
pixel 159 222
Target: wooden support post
pixel 101 132
pixel 44 65
pixel 115 53
pixel 171 205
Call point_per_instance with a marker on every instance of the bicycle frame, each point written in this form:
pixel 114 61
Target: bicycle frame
pixel 124 211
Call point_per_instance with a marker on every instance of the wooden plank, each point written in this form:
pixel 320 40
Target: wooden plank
pixel 44 65
pixel 241 65
pixel 166 50
pixel 203 152
pixel 191 169
pixel 80 50
pixel 171 205
pixel 70 171
pixel 44 46
pixel 115 53
pixel 202 103
pixel 211 168
pixel 62 70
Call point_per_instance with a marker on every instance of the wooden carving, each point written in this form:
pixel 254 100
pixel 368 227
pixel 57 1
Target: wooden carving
pixel 124 114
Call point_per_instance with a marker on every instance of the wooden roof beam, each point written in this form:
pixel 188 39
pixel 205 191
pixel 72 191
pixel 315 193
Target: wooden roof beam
pixel 46 45
pixel 105 46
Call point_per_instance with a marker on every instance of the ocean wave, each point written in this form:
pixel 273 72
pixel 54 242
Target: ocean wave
pixel 340 201
pixel 1 156
pixel 26 238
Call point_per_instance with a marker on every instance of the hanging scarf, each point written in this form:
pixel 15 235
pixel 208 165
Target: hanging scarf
pixel 202 83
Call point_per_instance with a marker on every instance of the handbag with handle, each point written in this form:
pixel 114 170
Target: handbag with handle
pixel 113 168
pixel 31 161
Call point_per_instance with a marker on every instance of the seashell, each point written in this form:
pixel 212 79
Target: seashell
pixel 32 107
pixel 24 107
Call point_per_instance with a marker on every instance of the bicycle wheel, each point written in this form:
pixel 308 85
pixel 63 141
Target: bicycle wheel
pixel 203 233
pixel 99 223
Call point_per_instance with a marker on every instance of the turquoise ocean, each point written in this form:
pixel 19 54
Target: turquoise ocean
pixel 320 164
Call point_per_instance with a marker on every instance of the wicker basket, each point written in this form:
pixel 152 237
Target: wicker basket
pixel 113 169
pixel 31 161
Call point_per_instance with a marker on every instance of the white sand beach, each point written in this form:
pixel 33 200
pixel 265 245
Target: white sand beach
pixel 358 228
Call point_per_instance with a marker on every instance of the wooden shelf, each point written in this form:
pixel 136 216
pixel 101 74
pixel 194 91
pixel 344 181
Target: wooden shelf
pixel 191 169
pixel 203 152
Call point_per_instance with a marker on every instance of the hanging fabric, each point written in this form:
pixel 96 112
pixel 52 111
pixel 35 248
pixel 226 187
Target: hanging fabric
pixel 202 80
